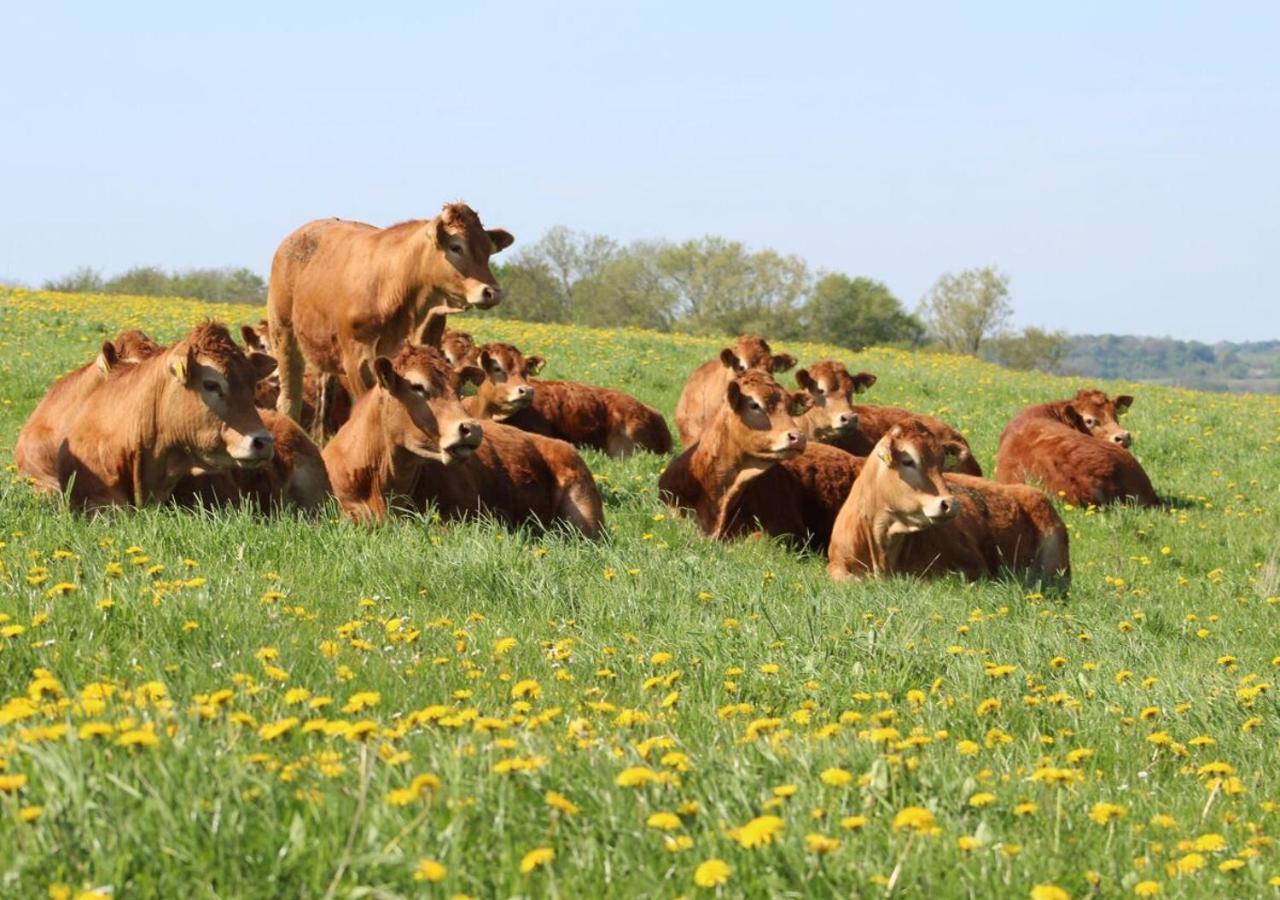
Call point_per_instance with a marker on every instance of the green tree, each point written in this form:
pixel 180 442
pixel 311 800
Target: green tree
pixel 965 308
pixel 83 280
pixel 1033 348
pixel 150 280
pixel 857 313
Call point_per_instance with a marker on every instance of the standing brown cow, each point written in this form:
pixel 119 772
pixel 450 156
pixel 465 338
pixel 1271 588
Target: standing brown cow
pixel 1077 449
pixel 703 393
pixel 36 453
pixel 148 425
pixel 343 293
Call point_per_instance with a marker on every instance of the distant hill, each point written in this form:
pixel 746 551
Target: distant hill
pixel 1224 366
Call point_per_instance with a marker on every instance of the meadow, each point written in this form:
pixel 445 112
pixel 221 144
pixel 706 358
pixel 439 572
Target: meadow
pixel 218 704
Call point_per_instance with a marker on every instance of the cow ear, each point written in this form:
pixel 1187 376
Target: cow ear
pixel 781 362
pixel 729 358
pixel 533 365
pixel 263 365
pixel 805 380
pixel 953 451
pixel 1073 417
pixel 888 445
pixel 251 339
pixel 501 239
pixel 468 374
pixel 486 361
pixel 801 402
pixel 181 363
pixel 733 394
pixel 441 234
pixel 384 373
pixel 862 381
pixel 1123 402
pixel 107 357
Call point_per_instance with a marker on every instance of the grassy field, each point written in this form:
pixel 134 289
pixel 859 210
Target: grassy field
pixel 225 705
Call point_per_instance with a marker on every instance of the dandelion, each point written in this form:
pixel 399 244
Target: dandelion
pixel 916 819
pixel 966 844
pixel 821 844
pixel 536 858
pixel 11 784
pixel 836 777
pixel 758 832
pixel 1049 892
pixel 853 823
pixel 663 821
pixel 1146 889
pixel 429 870
pixel 981 799
pixel 712 873
pixel 138 737
pixel 560 802
pixel 527 688
pixel 1189 864
pixel 1103 813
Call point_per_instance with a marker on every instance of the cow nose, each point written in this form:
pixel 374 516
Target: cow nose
pixel 491 294
pixel 524 391
pixel 469 431
pixel 944 505
pixel 795 437
pixel 263 442
pixel 848 420
pixel 1124 439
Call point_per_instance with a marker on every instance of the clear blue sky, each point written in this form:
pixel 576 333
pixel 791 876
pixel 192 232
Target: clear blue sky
pixel 1118 160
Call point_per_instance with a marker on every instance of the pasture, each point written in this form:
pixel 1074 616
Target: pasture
pixel 224 705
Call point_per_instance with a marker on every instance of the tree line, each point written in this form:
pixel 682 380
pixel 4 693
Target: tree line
pixel 707 286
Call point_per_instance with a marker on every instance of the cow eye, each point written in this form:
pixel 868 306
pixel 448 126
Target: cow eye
pixel 755 406
pixel 908 462
pixel 455 248
pixel 213 387
pixel 418 389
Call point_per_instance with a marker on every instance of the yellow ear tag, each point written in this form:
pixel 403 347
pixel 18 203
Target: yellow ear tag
pixel 179 368
pixel 884 456
pixel 103 366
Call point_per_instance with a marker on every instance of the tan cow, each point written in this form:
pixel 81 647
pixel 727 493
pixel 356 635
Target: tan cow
pixel 150 424
pixel 903 515
pixel 703 393
pixel 342 293
pixel 833 388
pixel 754 429
pixel 582 414
pixel 518 477
pixel 1077 450
pixel 410 417
pixel 36 452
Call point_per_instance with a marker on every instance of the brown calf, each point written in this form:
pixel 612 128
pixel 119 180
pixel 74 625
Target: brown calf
pixel 1077 449
pixel 833 388
pixel 411 416
pixel 36 452
pixel 703 393
pixel 903 515
pixel 148 425
pixel 342 293
pixel 459 349
pixel 582 414
pixel 518 477
pixel 754 429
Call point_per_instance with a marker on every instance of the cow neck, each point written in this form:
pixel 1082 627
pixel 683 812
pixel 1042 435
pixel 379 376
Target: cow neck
pixel 876 546
pixel 370 450
pixel 160 456
pixel 480 406
pixel 722 469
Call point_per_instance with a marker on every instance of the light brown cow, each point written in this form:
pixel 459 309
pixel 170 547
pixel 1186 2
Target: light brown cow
pixel 148 425
pixel 903 515
pixel 754 429
pixel 342 293
pixel 518 477
pixel 703 393
pixel 582 414
pixel 36 452
pixel 412 416
pixel 833 388
pixel 1077 450
pixel 295 477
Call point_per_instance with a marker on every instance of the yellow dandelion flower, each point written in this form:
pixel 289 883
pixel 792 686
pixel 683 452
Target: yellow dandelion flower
pixel 1103 813
pixel 663 821
pixel 916 819
pixel 712 873
pixel 1049 892
pixel 981 799
pixel 537 858
pixel 560 802
pixel 429 870
pixel 1146 889
pixel 836 777
pixel 821 844
pixel 758 832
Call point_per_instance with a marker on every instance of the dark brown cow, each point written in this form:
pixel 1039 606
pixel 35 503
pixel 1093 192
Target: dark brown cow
pixel 1077 450
pixel 832 388
pixel 36 452
pixel 703 393
pixel 582 414
pixel 410 417
pixel 342 293
pixel 754 429
pixel 903 515
pixel 148 425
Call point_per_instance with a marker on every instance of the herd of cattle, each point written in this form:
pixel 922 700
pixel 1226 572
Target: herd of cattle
pixel 418 416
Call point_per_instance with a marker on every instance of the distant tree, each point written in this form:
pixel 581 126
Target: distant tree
pixel 1033 348
pixel 628 290
pixel 83 280
pixel 225 285
pixel 857 313
pixel 140 280
pixel 965 308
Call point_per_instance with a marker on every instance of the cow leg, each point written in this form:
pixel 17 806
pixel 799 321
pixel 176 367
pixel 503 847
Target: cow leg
pixel 620 444
pixel 320 416
pixel 289 364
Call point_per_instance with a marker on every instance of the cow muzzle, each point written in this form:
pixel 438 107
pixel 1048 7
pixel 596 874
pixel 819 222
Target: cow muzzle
pixel 484 296
pixel 1123 438
pixel 252 449
pixel 469 435
pixel 941 509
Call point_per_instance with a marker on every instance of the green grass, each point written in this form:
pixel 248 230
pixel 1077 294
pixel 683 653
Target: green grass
pixel 413 611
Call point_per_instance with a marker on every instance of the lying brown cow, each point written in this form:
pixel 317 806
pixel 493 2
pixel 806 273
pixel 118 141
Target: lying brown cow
pixel 36 452
pixel 343 293
pixel 582 414
pixel 703 393
pixel 753 430
pixel 835 419
pixel 295 477
pixel 1077 449
pixel 411 416
pixel 317 390
pixel 904 516
pixel 148 425
pixel 459 349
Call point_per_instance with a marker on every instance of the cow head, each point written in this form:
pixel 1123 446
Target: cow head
pixel 257 337
pixel 1096 414
pixel 831 388
pixel 905 469
pixel 459 348
pixel 422 412
pixel 750 352
pixel 466 246
pixel 213 409
pixel 760 416
pixel 505 389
